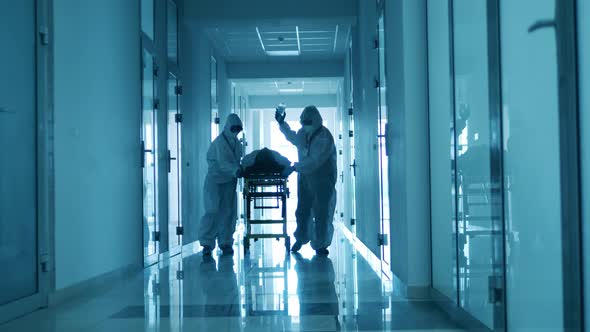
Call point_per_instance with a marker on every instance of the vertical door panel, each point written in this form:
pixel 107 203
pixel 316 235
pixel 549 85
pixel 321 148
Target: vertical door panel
pixel 478 209
pixel 584 91
pixel 382 133
pixel 351 139
pixel 215 128
pixel 150 222
pixel 18 164
pixel 532 166
pixel 174 198
pixel 444 244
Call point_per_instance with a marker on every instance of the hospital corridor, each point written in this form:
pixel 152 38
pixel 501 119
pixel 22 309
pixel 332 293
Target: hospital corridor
pixel 296 166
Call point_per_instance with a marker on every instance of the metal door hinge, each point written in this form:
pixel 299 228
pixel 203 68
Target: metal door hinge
pixel 156 70
pixel 44 260
pixel 382 239
pixel 156 104
pixel 351 111
pixel 341 215
pixel 44 35
pixel 340 152
pixel 180 275
pixel 353 166
pixel 178 117
pixel 351 133
pixel 179 230
pixel 178 90
pixel 217 120
pixel 156 236
pixel 377 84
pixel 352 221
pixel 495 290
pixel 155 287
pixel 376 44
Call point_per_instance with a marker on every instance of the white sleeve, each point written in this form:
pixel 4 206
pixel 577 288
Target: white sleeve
pixel 291 135
pixel 226 161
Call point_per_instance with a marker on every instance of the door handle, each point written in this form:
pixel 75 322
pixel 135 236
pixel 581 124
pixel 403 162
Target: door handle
pixel 353 166
pixel 385 136
pixel 143 152
pixel 170 158
pixel 541 24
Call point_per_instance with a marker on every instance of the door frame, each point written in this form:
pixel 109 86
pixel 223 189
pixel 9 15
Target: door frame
pixel 173 72
pixel 385 243
pixel 147 46
pixel 566 35
pixel 45 195
pixel 496 160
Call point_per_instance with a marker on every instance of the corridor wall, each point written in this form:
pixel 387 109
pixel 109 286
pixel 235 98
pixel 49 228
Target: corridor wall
pixel 407 99
pixel 196 52
pixel 98 198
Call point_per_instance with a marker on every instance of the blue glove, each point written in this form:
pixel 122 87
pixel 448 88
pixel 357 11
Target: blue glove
pixel 288 171
pixel 240 173
pixel 280 114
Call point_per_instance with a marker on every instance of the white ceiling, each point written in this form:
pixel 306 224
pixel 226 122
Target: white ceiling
pixel 254 43
pixel 288 87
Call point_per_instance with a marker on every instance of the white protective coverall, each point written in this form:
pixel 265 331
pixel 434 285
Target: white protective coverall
pixel 316 180
pixel 219 193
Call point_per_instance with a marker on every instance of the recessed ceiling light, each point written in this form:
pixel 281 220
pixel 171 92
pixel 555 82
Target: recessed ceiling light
pixel 283 53
pixel 300 90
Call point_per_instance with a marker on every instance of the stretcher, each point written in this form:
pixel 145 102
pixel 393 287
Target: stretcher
pixel 264 192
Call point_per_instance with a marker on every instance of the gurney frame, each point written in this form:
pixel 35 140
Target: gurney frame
pixel 262 188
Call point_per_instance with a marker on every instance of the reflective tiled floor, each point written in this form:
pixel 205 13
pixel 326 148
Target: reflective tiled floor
pixel 266 291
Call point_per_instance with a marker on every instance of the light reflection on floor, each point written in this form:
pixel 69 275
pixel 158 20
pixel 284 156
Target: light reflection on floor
pixel 265 291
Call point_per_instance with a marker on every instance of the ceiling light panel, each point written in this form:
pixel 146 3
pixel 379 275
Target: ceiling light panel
pixel 246 44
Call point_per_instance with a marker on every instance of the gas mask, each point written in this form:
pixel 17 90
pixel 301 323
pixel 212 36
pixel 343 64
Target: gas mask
pixel 236 130
pixel 307 125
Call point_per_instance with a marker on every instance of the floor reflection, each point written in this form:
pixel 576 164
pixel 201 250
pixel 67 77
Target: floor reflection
pixel 266 290
pixel 316 291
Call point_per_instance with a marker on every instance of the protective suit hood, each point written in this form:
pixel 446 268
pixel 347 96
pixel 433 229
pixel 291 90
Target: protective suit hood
pixel 312 113
pixel 232 120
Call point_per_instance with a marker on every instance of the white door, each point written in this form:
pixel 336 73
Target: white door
pixel 174 120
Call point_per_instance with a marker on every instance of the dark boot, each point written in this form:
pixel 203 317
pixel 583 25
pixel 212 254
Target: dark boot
pixel 322 252
pixel 207 250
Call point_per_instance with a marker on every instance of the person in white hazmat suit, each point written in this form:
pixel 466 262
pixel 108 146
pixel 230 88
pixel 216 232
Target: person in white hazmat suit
pixel 220 196
pixel 316 180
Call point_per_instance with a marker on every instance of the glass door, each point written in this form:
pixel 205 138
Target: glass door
pixel 351 139
pixel 584 89
pixel 214 103
pixel 478 171
pixel 382 128
pixel 538 101
pixel 151 231
pixel 175 229
pixel 20 289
